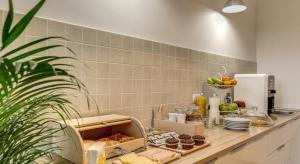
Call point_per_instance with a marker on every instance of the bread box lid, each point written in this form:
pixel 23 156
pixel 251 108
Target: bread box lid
pixel 91 121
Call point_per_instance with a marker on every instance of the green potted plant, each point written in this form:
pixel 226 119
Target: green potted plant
pixel 33 93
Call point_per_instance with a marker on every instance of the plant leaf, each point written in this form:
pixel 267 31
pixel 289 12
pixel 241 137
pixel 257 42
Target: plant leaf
pixel 7 23
pixel 21 25
pixel 32 44
pixel 35 51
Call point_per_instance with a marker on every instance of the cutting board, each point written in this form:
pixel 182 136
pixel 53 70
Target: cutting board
pixel 185 152
pixel 176 156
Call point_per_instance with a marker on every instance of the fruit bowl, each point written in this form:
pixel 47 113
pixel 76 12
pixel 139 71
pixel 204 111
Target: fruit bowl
pixel 224 82
pixel 229 108
pixel 229 111
pixel 221 86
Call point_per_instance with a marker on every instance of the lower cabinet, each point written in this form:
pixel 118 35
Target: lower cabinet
pixel 280 146
pixel 295 143
pixel 238 155
pixel 281 155
pixel 254 152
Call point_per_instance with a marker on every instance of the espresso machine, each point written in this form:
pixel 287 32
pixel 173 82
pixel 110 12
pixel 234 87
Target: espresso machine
pixel 257 90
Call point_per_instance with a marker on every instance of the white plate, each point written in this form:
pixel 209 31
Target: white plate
pixel 239 129
pixel 236 119
pixel 242 125
pixel 235 122
pixel 229 124
pixel 237 125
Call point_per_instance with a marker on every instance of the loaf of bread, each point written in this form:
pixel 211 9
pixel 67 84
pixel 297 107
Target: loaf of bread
pixel 111 140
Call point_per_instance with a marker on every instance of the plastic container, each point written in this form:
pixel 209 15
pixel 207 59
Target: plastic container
pixel 172 117
pixel 181 118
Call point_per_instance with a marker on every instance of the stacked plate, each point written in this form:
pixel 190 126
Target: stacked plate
pixel 236 123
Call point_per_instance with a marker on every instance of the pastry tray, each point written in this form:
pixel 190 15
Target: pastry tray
pixel 185 152
pixel 157 140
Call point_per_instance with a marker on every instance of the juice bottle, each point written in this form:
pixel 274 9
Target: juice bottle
pixel 200 102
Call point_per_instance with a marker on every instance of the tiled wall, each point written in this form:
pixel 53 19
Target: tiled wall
pixel 130 75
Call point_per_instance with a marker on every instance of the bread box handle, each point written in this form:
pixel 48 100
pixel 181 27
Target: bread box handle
pixel 119 151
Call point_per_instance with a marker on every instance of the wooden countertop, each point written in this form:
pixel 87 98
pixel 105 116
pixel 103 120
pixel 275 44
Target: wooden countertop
pixel 223 141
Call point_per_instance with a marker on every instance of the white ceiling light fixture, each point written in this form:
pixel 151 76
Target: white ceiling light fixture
pixel 234 6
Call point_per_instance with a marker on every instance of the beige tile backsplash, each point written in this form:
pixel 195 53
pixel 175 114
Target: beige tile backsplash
pixel 129 75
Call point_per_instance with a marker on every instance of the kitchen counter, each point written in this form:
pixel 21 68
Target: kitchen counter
pixel 223 141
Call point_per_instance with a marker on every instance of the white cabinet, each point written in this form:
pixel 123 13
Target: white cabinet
pixel 280 146
pixel 286 152
pixel 279 136
pixel 281 155
pixel 273 158
pixel 239 155
pixel 257 150
pixel 228 159
pixel 235 156
pixel 295 143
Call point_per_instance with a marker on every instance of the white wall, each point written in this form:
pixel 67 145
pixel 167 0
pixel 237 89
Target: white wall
pixel 196 24
pixel 278 47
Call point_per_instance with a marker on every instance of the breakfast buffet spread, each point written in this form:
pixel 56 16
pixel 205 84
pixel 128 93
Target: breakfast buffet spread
pixel 124 139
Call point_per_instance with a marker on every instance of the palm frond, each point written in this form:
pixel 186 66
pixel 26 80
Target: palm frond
pixel 34 94
pixel 33 43
pixel 16 31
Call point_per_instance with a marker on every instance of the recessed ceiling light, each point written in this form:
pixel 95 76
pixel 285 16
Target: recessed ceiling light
pixel 234 6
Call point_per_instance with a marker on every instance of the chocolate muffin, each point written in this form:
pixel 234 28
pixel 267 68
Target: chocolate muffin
pixel 172 143
pixel 199 140
pixel 187 144
pixel 184 137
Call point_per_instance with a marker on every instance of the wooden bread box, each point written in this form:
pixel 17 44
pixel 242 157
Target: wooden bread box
pixel 72 139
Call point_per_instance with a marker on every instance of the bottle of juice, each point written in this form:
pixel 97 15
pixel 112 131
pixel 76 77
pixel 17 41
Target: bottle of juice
pixel 200 102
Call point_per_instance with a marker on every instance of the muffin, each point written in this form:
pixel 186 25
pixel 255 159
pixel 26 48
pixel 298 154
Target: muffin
pixel 187 144
pixel 172 143
pixel 199 140
pixel 184 137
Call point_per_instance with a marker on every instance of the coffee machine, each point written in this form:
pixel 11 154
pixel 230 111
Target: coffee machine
pixel 271 93
pixel 257 90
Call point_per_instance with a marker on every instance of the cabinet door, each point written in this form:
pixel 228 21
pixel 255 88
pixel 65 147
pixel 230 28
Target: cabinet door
pixel 278 137
pixel 295 142
pixel 280 155
pixel 286 152
pixel 228 159
pixel 238 155
pixel 295 128
pixel 257 150
pixel 274 158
